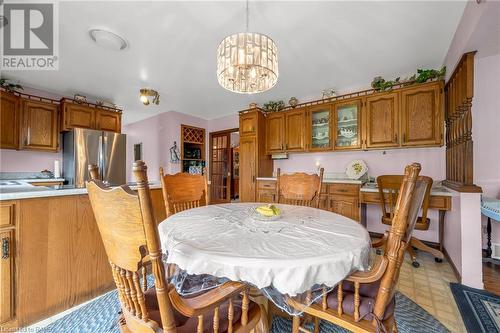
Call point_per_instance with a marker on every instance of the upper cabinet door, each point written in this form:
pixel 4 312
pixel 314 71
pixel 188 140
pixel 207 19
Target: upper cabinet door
pixel 275 132
pixel 319 135
pixel 295 125
pixel 9 121
pixel 348 125
pixel 421 116
pixel 39 126
pixel 382 124
pixel 248 124
pixel 80 116
pixel 108 121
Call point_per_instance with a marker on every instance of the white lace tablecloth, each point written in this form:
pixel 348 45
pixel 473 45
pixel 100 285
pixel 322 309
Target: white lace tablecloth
pixel 305 247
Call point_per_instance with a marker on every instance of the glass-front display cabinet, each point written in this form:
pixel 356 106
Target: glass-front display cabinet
pixel 347 125
pixel 320 136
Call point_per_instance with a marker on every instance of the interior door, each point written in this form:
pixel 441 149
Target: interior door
pixel 220 167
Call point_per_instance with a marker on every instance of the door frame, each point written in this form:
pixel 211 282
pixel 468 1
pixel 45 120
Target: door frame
pixel 210 163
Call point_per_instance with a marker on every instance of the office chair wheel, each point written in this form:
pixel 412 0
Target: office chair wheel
pixel 379 251
pixel 415 264
pixel 438 260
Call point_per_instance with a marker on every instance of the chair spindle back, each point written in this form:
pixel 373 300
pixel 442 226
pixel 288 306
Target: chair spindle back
pixel 299 188
pixel 183 191
pixel 128 229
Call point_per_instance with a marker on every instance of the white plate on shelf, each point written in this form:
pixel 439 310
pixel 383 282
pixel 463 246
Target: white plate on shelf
pixel 356 169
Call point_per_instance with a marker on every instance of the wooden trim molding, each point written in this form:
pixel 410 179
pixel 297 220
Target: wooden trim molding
pixel 459 91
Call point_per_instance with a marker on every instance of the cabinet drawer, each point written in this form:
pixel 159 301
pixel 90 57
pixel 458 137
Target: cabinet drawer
pixel 7 215
pixel 344 189
pixel 266 184
pixel 266 196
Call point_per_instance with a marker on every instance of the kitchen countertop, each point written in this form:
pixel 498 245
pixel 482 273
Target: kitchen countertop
pixel 437 189
pixel 30 191
pixel 39 180
pixel 326 180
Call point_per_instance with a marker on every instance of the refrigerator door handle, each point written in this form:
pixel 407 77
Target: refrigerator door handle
pixel 100 158
pixel 105 162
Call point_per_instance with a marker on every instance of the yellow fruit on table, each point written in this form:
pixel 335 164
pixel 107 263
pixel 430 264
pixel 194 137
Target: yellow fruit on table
pixel 269 210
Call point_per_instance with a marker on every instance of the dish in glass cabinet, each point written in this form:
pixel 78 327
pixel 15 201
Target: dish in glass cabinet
pixel 356 169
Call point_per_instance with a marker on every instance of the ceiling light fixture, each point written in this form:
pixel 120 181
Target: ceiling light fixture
pixel 146 94
pixel 108 40
pixel 247 62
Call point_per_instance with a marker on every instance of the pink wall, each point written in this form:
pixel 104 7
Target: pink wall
pixel 477 31
pixel 486 123
pixel 379 162
pixel 27 161
pixel 157 135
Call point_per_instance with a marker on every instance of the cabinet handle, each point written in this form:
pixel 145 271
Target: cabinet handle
pixel 5 248
pixel 404 137
pixel 281 146
pixel 286 146
pixel 396 137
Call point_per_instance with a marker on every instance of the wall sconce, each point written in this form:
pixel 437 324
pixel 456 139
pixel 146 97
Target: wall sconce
pixel 146 94
pixel 318 166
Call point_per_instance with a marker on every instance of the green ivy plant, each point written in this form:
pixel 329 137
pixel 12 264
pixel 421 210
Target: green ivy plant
pixel 422 75
pixel 4 83
pixel 274 105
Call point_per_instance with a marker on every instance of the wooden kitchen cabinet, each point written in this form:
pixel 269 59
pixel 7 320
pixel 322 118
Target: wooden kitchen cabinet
pixel 108 120
pixel 9 120
pixel 295 128
pixel 275 130
pixel 254 160
pixel 76 115
pixel 347 125
pixel 39 126
pixel 266 191
pixel 8 215
pixel 345 206
pixel 382 121
pixel 248 124
pixel 319 128
pixel 6 276
pixel 248 159
pixel 422 115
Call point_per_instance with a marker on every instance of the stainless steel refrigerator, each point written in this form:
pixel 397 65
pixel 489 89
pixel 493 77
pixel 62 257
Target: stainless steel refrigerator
pixel 82 147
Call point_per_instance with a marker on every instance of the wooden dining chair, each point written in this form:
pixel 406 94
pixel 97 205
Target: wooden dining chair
pixel 388 187
pixel 183 191
pixel 129 232
pixel 94 172
pixel 300 189
pixel 364 301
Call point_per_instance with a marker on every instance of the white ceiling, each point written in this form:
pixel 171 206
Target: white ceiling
pixel 173 44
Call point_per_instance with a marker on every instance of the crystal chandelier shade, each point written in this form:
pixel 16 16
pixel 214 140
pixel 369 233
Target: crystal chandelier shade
pixel 247 63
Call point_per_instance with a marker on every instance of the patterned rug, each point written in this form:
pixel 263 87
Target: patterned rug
pixel 99 316
pixel 480 309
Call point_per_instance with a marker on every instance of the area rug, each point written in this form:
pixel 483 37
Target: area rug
pixel 99 316
pixel 480 309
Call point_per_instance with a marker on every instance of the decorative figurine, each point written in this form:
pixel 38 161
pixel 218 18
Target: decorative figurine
pixel 174 153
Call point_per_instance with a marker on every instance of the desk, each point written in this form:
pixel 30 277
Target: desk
pixel 440 200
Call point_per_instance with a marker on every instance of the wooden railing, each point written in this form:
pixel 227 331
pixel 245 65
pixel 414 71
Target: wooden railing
pixel 459 91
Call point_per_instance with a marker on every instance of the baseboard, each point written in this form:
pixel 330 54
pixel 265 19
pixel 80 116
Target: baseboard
pixel 431 244
pixel 455 270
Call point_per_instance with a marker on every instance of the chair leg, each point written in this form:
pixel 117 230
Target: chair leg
pixel 413 257
pixel 316 325
pixel 421 246
pixel 295 324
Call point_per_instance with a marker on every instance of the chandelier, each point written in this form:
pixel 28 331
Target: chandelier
pixel 247 62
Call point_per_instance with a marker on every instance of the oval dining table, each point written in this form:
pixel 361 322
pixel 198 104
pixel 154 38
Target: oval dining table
pixel 303 248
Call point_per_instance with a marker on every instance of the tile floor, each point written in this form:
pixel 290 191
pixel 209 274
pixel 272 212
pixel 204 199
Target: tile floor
pixel 428 286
